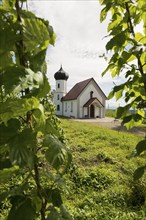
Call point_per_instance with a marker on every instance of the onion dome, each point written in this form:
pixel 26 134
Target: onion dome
pixel 61 74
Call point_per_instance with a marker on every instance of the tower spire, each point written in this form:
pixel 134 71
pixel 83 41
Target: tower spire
pixel 61 74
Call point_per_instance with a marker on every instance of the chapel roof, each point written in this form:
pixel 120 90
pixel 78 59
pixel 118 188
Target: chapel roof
pixel 77 89
pixel 91 100
pixel 61 74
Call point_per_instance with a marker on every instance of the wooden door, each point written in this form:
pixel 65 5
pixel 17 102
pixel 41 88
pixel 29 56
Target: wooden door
pixel 92 111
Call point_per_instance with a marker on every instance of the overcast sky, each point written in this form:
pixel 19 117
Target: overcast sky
pixel 79 43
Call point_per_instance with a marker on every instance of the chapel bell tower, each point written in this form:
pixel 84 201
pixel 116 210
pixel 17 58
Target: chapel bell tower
pixel 61 78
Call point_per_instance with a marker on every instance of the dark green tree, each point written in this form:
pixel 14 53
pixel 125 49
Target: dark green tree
pixel 127 44
pixel 33 154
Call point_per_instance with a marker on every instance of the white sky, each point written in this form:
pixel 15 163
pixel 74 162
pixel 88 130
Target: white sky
pixel 80 40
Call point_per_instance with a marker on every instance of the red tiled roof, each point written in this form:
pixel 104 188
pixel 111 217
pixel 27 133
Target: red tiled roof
pixel 76 90
pixel 90 101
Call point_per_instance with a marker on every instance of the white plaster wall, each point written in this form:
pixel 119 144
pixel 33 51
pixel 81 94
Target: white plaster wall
pixel 58 102
pixel 63 86
pixel 103 112
pixel 61 91
pixel 67 111
pixel 85 96
pixel 97 112
pixel 85 112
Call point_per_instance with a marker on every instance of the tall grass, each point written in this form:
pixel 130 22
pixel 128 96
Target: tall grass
pixel 100 182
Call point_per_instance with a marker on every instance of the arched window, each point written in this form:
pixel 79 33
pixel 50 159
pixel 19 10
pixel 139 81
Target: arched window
pixel 58 97
pixel 91 94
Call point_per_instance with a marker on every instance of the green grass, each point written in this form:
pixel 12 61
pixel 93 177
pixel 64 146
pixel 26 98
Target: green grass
pixel 100 185
pixel 110 113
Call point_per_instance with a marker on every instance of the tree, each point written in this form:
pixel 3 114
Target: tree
pixel 127 45
pixel 33 154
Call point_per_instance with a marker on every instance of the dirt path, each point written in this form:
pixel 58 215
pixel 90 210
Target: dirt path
pixel 114 124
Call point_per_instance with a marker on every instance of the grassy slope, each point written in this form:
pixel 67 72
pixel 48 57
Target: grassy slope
pixel 110 113
pixel 101 184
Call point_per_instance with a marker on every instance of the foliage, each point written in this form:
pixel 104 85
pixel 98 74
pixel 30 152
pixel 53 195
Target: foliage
pixel 33 154
pixel 100 184
pixel 127 30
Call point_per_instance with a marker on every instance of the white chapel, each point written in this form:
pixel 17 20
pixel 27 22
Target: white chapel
pixel 84 100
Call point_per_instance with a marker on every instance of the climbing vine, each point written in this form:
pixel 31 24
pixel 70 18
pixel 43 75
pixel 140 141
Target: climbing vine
pixel 127 46
pixel 33 154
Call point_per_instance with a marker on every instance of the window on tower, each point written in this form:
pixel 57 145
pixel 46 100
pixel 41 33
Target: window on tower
pixel 58 85
pixel 58 97
pixel 58 107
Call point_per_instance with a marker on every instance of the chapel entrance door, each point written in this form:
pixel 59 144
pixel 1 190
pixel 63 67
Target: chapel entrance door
pixel 92 111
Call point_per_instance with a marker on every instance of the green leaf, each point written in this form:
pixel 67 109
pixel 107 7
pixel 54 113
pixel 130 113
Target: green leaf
pixel 5 161
pixel 117 40
pixel 37 61
pixel 7 132
pixel 56 197
pixel 141 112
pixel 51 128
pixel 140 38
pixel 126 119
pixel 27 14
pixel 7 173
pixel 52 39
pixel 139 172
pixel 4 195
pixel 130 124
pixel 57 154
pixel 17 107
pixel 119 94
pixel 22 147
pixel 143 61
pixel 39 119
pixel 125 55
pixel 131 58
pixel 115 22
pixel 137 117
pixel 118 90
pixel 54 214
pixel 22 208
pixel 109 67
pixel 21 78
pixel 37 202
pixel 8 4
pixel 8 37
pixel 104 11
pixel 141 146
pixel 111 94
pixel 115 71
pixel 36 35
pixel 132 120
pixel 65 214
pixel 43 89
pixel 122 111
pixel 103 14
pixel 6 59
